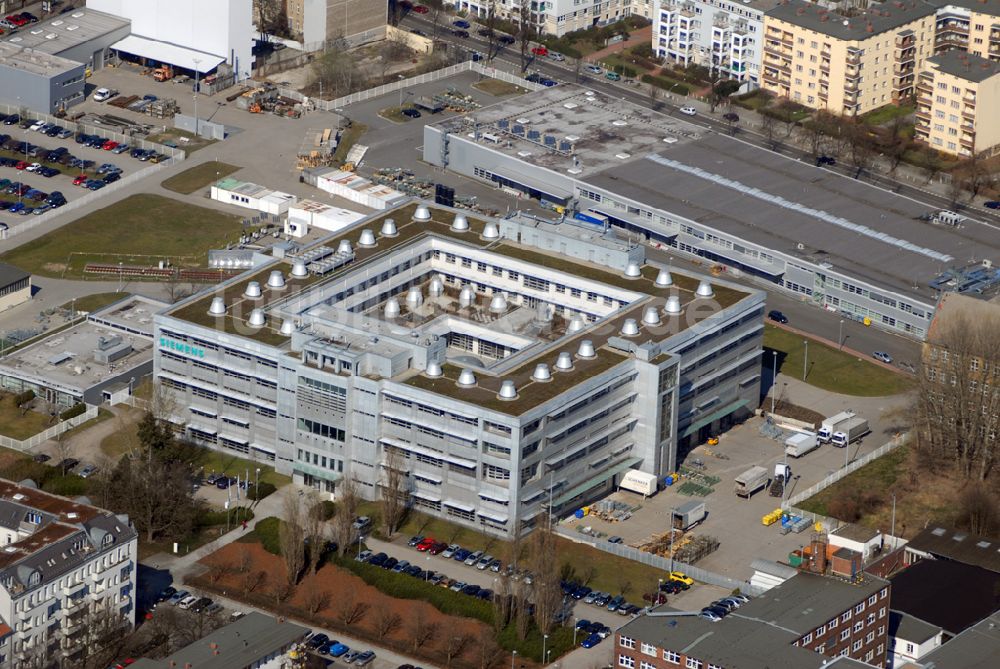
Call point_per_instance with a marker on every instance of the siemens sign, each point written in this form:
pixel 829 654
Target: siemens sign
pixel 181 347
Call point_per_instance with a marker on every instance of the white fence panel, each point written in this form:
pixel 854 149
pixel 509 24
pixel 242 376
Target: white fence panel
pixel 54 431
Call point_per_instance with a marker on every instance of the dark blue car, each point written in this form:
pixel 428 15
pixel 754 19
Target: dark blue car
pixel 591 641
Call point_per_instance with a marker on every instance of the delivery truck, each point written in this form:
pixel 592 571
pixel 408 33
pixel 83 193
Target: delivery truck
pixel 850 432
pixel 751 481
pixel 688 515
pixel 801 443
pixel 833 424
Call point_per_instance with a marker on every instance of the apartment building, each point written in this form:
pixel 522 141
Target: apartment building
pixel 958 98
pixel 67 571
pixel 454 349
pixel 970 25
pixel 558 17
pixel 809 621
pixel 724 35
pixel 314 22
pixel 848 62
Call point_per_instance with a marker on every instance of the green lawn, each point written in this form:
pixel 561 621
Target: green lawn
pixel 199 176
pixel 139 230
pixel 608 573
pixel 17 424
pixel 499 88
pixel 879 475
pixel 885 114
pixel 395 114
pixel 93 302
pixel 216 461
pixel 830 369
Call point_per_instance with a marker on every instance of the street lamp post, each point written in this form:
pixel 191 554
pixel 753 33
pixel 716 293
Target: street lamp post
pixel 513 658
pixel 774 377
pixel 545 641
pixel 840 336
pixel 805 359
pixel 197 61
pixel 574 631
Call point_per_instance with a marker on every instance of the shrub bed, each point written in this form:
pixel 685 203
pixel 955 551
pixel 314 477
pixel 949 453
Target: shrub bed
pixel 666 84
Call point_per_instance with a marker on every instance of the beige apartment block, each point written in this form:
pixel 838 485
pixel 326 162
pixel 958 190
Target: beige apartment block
pixel 846 61
pixel 316 21
pixel 970 25
pixel 958 104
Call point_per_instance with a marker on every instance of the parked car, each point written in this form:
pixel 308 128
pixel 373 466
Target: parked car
pixel 555 55
pixel 414 541
pixel 188 602
pixel 66 464
pixel 461 554
pixel 992 204
pixel 400 566
pixel 463 34
pixel 425 545
pixel 473 558
pixel 389 563
pixel 777 316
pixel 364 556
pixel 450 550
pixel 593 69
pixel 882 356
pixel 102 94
pixel 680 577
pixel 484 562
pixel 688 111
pixel 202 604
pixel 41 457
pixel 364 658
pixel 707 614
pixel 176 598
pixel 591 641
pixel 362 523
pixel 461 23
pixel 88 470
pixel 615 603
pixel 339 649
pixel 825 160
pixel 539 51
pixel 317 640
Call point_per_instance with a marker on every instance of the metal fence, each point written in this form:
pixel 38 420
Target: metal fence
pixel 54 431
pixel 658 562
pixel 851 467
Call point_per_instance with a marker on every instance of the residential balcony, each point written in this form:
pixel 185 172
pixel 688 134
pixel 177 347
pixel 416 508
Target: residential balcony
pixel 906 57
pixel 969 114
pixel 968 142
pixel 901 82
pixel 906 39
pixel 824 67
pixel 969 98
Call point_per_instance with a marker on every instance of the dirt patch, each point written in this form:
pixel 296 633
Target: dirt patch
pixel 55 267
pixel 795 412
pixel 337 600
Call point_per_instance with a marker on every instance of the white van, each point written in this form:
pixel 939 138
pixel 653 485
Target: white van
pixel 102 94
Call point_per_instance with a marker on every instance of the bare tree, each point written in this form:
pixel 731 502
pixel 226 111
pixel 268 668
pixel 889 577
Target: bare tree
pixel 434 14
pixel 252 580
pixel 313 532
pixel 525 33
pixel 270 16
pixel 344 515
pixel 395 496
pixel 958 400
pixel 219 569
pixel 419 628
pixel 502 603
pixel 385 620
pixel 769 130
pixel 317 600
pixel 522 611
pixel 545 575
pixel 896 142
pixel 492 37
pixel 291 535
pixel 454 646
pixel 654 97
pixel 860 150
pixel 931 163
pixel 978 510
pixel 489 649
pixel 349 609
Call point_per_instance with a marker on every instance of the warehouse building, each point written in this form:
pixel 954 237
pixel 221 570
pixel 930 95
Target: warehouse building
pixel 455 350
pixel 834 242
pixel 15 286
pixel 90 361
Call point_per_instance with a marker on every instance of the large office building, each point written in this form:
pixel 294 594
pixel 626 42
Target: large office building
pixel 507 367
pixel 958 97
pixel 848 61
pixel 67 571
pixel 725 36
pixel 835 242
pixel 808 622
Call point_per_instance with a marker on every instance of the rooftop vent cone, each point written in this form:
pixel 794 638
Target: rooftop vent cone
pixel 673 305
pixel 276 280
pixel 507 390
pixel 576 324
pixel 498 304
pixel 389 228
pixel 299 269
pixel 704 290
pixel 414 298
pixel 344 247
pixel 630 328
pixel 252 291
pixel 436 287
pixel 663 279
pixel 460 224
pixel 391 308
pixel 434 370
pixel 632 271
pixel 467 297
pixel 586 350
pixel 541 373
pixel 422 213
pixel 650 316
pixel 367 239
pixel 491 231
pixel 218 307
pixel 564 362
pixel 287 327
pixel 466 379
pixel 257 318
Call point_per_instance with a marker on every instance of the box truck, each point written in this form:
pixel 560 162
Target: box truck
pixel 688 515
pixel 751 481
pixel 640 482
pixel 832 424
pixel 849 432
pixel 801 443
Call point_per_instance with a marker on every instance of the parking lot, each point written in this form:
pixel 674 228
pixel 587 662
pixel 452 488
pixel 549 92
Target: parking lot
pixel 732 520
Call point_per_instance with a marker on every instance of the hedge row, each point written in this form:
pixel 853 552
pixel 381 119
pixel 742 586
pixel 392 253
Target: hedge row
pixel 267 533
pixel 666 84
pixel 23 398
pixel 73 411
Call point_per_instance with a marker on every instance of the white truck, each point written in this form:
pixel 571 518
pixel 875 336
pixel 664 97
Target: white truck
pixel 687 515
pixel 849 432
pixel 832 424
pixel 751 481
pixel 640 482
pixel 801 443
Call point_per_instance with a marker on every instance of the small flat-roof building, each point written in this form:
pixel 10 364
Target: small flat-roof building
pixel 911 638
pixel 308 214
pixel 251 641
pixel 862 540
pixel 251 196
pixel 112 346
pixel 15 286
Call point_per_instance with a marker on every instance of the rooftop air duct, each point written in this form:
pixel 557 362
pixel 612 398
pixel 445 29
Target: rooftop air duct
pixel 508 391
pixel 650 316
pixel 704 290
pixel 490 231
pixel 252 291
pixel 564 362
pixel 276 280
pixel 466 379
pixel 633 271
pixel 257 318
pixel 218 307
pixel 630 328
pixel 367 239
pixel 586 350
pixel 541 373
pixel 434 370
pixel 460 224
pixel 389 228
pixel 422 213
pixel 663 279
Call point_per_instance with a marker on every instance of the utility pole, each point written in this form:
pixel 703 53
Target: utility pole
pixel 893 532
pixel 197 61
pixel 774 377
pixel 840 336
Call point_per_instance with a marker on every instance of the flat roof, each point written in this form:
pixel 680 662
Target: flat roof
pixel 172 54
pixel 65 31
pixel 17 57
pixel 855 25
pixel 965 65
pixel 958 545
pixel 948 594
pixel 854 532
pixel 803 211
pixel 990 7
pixel 10 274
pixel 577 129
pixel 909 628
pixel 976 648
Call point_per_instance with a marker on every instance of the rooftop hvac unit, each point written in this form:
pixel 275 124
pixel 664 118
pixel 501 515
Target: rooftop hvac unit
pixel 565 146
pixel 550 140
pixel 534 135
pixel 518 129
pixel 503 124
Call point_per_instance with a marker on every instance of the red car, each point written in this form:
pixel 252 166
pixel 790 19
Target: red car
pixel 540 51
pixel 79 179
pixel 420 9
pixel 437 548
pixel 424 545
pixel 17 20
pixel 21 165
pixel 110 144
